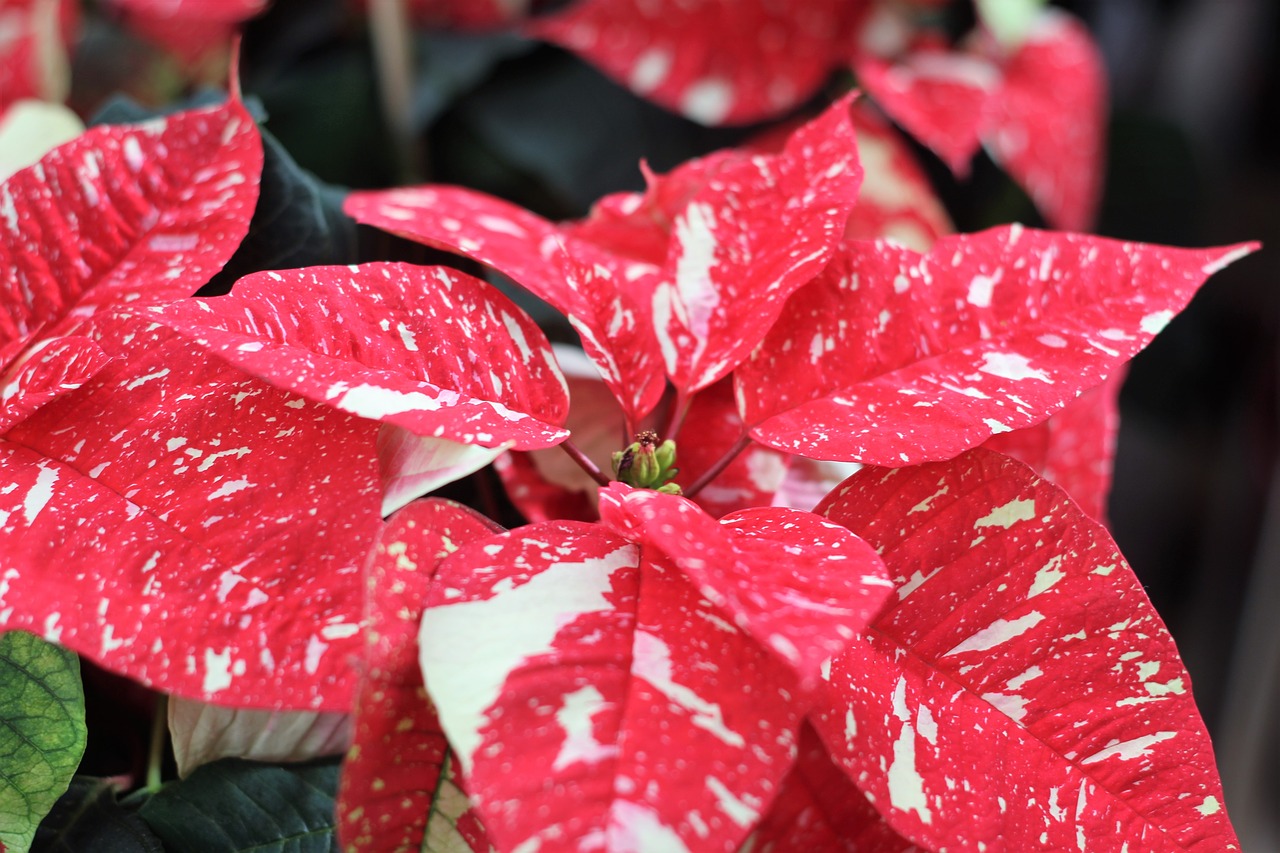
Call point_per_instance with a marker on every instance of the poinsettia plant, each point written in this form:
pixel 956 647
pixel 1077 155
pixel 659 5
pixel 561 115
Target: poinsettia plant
pixel 800 543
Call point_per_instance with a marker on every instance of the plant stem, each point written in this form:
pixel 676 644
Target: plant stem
pixel 393 53
pixel 678 411
pixel 583 462
pixel 159 735
pixel 743 442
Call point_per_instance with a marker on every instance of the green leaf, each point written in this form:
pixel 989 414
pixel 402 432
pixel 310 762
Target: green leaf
pixel 87 818
pixel 449 65
pixel 42 732
pixel 234 805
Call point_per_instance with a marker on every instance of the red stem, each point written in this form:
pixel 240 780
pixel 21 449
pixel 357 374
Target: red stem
pixel 743 442
pixel 583 462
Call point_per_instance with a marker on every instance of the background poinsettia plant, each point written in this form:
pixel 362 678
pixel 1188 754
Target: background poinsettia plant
pixel 751 506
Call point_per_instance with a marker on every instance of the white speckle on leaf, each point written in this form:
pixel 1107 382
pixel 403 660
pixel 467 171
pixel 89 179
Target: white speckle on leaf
pixel 1129 749
pixel 40 493
pixel 217 670
pixel 737 810
pixel 1008 515
pixel 650 70
pixel 574 716
pixel 1008 365
pixel 708 101
pixel 1154 323
pixel 999 631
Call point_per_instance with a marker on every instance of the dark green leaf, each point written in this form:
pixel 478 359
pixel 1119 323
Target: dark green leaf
pixel 87 819
pixel 233 805
pixel 42 732
pixel 451 64
pixel 298 223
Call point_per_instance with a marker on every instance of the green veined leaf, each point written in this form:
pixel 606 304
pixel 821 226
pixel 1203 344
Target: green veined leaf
pixel 42 732
pixel 232 805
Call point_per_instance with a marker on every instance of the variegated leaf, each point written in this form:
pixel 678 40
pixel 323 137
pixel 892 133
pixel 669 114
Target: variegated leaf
pixel 590 676
pixel 430 349
pixel 202 733
pixel 714 61
pixel 397 791
pixel 1019 686
pixel 801 587
pixel 893 357
pixel 174 520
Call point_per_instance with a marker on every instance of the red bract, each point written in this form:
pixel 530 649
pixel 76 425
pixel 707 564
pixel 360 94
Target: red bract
pixel 1019 686
pixel 189 29
pixel 1039 107
pixel 37 35
pixel 439 357
pixel 692 272
pixel 893 357
pixel 175 520
pixel 598 670
pixel 397 784
pixel 715 61
pixel 138 214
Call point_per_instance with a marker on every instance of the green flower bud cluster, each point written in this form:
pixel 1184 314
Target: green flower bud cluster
pixel 648 464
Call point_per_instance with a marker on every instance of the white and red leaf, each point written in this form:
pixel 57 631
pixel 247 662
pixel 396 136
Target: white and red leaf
pixel 124 214
pixel 892 357
pixel 581 280
pixel 802 587
pixel 762 60
pixel 759 228
pixel 201 733
pixel 34 63
pixel 940 97
pixel 589 676
pixel 395 779
pixel 429 349
pixel 174 520
pixel 1047 125
pixel 1019 685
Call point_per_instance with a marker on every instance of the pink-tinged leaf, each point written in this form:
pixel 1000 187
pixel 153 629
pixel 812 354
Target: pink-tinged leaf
pixel 429 349
pixel 579 279
pixel 896 200
pixel 395 781
pixel 1075 449
pixel 201 733
pixel 124 214
pixel 716 61
pixel 710 430
pixel 1019 686
pixel 189 29
pixel 759 228
pixel 802 587
pixel 175 521
pixel 411 466
pixel 462 14
pixel 810 480
pixel 34 48
pixel 892 357
pixel 548 484
pixel 818 808
pixel 44 371
pixel 1047 126
pixel 940 97
pixel 591 676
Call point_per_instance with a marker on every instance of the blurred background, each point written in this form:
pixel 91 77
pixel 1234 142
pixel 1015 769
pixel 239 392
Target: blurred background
pixel 1193 160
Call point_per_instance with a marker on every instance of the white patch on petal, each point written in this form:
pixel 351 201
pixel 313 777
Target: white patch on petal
pixel 1012 706
pixel 1008 365
pixel 217 670
pixel 1154 323
pixel 580 744
pixel 738 811
pixel 650 70
pixel 370 401
pixel 1008 515
pixel 708 101
pixel 651 660
pixel 981 288
pixel 1129 749
pixel 906 785
pixel 1209 806
pixel 503 632
pixel 634 827
pixel 40 493
pixel 999 631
